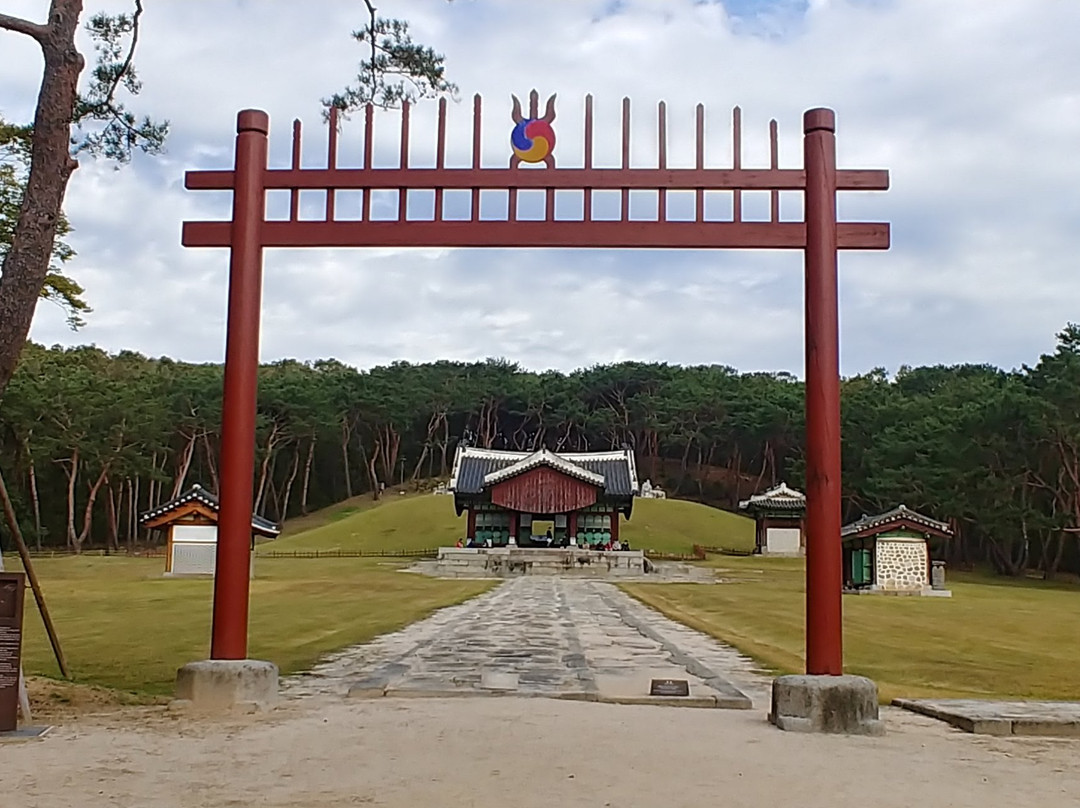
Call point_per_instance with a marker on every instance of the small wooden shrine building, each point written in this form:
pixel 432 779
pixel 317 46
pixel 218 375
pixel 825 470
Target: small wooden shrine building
pixel 890 552
pixel 779 515
pixel 581 494
pixel 190 525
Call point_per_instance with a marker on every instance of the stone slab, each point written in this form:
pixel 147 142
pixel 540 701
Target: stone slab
pixel 498 680
pixel 24 734
pixel 829 704
pixel 1033 718
pixel 219 685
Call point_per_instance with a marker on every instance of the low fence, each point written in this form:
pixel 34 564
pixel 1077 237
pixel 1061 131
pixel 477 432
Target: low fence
pixel 727 551
pixel 65 552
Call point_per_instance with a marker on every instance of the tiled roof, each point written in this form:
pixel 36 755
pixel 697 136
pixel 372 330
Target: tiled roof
pixel 543 458
pixel 199 494
pixel 779 498
pixel 873 524
pixel 476 469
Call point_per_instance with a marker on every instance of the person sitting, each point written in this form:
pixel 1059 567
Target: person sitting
pixel 459 543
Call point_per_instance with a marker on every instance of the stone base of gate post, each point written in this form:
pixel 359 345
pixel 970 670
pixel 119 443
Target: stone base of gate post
pixel 833 704
pixel 225 685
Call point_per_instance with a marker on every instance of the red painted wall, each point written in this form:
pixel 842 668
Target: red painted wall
pixel 544 490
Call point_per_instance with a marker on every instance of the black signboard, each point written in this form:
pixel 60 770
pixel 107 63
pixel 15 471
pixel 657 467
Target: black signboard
pixel 12 585
pixel 669 687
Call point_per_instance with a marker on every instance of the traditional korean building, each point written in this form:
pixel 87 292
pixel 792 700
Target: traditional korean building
pixel 190 525
pixel 890 552
pixel 582 494
pixel 779 516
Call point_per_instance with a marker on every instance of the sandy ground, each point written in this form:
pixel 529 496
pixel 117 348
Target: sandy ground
pixel 325 751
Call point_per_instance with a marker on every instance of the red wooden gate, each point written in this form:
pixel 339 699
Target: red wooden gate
pixel 819 236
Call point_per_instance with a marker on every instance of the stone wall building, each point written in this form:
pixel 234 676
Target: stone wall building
pixel 891 552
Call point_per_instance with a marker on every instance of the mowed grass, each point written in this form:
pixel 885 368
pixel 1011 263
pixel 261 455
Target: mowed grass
pixel 124 626
pixel 994 638
pixel 417 522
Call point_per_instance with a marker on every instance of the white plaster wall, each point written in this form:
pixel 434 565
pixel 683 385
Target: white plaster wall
pixel 782 540
pixel 195 533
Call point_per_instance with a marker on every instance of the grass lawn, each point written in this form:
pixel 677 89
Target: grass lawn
pixel 993 638
pixel 428 520
pixel 124 626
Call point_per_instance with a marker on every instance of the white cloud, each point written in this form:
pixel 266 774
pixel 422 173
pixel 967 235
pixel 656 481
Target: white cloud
pixel 973 106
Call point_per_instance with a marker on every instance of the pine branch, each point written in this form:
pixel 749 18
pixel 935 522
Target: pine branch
pixel 21 26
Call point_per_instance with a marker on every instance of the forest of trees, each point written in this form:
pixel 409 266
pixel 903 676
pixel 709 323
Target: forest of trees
pixel 89 440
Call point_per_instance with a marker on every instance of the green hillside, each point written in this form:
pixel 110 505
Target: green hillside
pixel 676 525
pixel 410 523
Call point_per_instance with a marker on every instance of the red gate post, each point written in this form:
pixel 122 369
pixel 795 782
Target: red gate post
pixel 824 628
pixel 232 578
pixel 824 700
pixel 228 678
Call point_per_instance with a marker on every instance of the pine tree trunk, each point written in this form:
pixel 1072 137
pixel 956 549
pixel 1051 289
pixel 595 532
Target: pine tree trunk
pixel 73 474
pixel 345 458
pixel 185 464
pixel 88 512
pixel 51 164
pixel 36 505
pixel 114 522
pixel 307 476
pixel 284 510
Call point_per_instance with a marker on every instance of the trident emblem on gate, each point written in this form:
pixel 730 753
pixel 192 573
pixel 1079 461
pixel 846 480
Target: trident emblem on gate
pixel 533 139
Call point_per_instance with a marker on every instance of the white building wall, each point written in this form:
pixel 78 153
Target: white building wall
pixel 783 540
pixel 194 550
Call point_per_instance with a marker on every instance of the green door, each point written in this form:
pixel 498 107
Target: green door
pixel 861 571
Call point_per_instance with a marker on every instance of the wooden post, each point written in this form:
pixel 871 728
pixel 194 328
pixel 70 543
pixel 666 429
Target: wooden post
pixel 824 627
pixel 35 585
pixel 470 529
pixel 233 576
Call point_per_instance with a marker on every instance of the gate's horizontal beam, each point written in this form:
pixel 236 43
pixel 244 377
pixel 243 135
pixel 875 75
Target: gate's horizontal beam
pixel 609 235
pixel 709 179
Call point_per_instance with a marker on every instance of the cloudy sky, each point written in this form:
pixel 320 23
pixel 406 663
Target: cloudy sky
pixel 973 106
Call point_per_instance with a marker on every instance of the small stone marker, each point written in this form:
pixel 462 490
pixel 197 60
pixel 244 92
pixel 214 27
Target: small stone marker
pixel 669 687
pixel 12 585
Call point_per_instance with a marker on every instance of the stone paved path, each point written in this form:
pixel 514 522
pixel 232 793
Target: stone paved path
pixel 541 636
pixel 1043 718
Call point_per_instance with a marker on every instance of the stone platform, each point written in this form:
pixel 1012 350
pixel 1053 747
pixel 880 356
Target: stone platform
pixel 1048 718
pixel 504 562
pixel 545 636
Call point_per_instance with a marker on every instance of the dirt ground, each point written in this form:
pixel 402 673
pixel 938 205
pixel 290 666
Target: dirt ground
pixel 325 751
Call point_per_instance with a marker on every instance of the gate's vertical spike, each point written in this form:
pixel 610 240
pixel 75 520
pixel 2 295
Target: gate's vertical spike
pixel 369 125
pixel 294 193
pixel 440 156
pixel 511 196
pixel 624 212
pixel 774 163
pixel 661 125
pixel 534 104
pixel 699 161
pixel 587 210
pixel 476 143
pixel 403 193
pixel 736 148
pixel 331 158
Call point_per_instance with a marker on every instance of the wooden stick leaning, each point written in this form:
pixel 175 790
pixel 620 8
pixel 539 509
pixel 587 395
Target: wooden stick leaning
pixel 28 566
